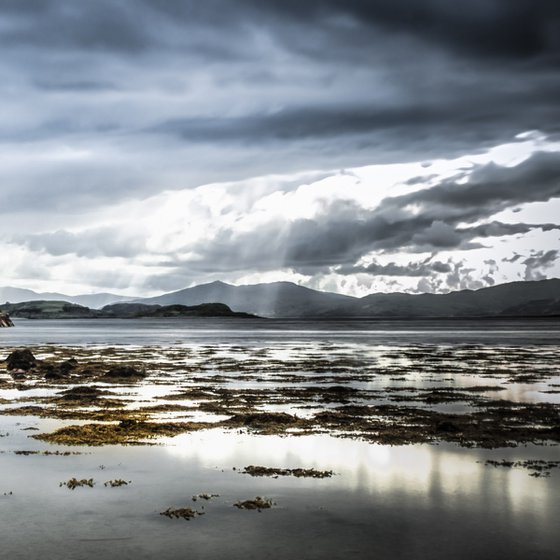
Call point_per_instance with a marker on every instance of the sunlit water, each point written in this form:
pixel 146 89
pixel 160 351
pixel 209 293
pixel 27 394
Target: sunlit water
pixel 416 501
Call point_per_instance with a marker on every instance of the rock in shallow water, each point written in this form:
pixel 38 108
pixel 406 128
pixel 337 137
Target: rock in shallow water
pixel 125 372
pixel 21 359
pixel 5 320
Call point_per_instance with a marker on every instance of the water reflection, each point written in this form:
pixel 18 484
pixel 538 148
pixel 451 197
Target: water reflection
pixel 411 501
pixel 430 473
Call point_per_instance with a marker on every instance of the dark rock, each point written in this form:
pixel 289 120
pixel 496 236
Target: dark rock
pixel 447 426
pixel 50 371
pixel 340 389
pixel 21 359
pixel 128 424
pixel 5 320
pixel 125 372
pixel 59 371
pixel 67 366
pixel 54 374
pixel 82 393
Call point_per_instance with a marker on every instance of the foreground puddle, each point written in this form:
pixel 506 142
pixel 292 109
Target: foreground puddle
pixel 378 499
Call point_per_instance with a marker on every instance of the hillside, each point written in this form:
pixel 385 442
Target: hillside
pixel 284 299
pixel 287 300
pixel 10 294
pixel 278 299
pixel 137 310
pixel 41 309
pixel 65 310
pixel 491 301
pixel 535 308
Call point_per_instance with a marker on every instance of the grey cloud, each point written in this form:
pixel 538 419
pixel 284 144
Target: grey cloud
pixel 499 229
pixel 501 28
pixel 59 24
pixel 206 91
pixel 457 277
pixel 439 235
pixel 126 28
pixel 114 100
pixel 493 268
pixel 423 268
pixel 54 83
pixel 538 262
pixel 462 278
pixel 100 242
pixel 492 188
pixel 303 123
pixel 425 220
pixel 513 259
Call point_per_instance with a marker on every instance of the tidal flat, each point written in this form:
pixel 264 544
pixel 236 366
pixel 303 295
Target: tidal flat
pixel 308 444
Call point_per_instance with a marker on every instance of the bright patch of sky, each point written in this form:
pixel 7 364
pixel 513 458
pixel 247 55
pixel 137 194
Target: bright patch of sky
pixel 156 244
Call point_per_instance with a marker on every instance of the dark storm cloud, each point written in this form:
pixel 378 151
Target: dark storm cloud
pixel 503 28
pixel 524 28
pixel 373 126
pixel 87 25
pixel 261 87
pixel 491 188
pixel 426 220
pixel 423 268
pixel 499 229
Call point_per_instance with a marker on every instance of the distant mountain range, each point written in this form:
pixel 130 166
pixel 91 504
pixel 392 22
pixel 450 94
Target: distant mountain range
pixel 95 301
pixel 284 299
pixel 288 300
pixel 278 299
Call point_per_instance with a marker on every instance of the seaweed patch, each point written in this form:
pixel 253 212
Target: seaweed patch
pixel 254 470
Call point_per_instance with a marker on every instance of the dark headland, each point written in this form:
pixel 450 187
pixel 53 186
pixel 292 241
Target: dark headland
pixel 64 310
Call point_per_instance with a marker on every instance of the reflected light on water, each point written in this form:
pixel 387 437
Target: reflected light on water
pixel 363 466
pixel 447 475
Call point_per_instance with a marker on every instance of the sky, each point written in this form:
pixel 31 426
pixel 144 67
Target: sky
pixel 354 146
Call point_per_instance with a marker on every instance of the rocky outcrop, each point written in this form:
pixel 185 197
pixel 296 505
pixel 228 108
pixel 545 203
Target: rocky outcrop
pixel 5 320
pixel 21 360
pixel 124 372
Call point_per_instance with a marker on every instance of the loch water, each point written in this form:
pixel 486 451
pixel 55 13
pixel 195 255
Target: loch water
pixel 436 501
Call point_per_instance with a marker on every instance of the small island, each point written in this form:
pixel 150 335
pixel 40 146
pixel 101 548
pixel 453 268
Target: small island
pixel 43 309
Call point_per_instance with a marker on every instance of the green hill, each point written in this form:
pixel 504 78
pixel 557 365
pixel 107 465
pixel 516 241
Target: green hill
pixel 63 310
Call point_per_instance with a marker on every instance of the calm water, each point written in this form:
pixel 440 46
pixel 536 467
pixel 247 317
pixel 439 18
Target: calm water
pixel 170 331
pixel 404 502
